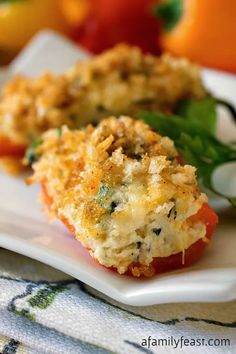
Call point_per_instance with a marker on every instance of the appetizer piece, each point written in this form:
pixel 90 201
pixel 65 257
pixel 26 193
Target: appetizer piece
pixel 120 81
pixel 121 191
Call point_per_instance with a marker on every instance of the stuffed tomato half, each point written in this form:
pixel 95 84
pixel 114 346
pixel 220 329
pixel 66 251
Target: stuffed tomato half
pixel 121 80
pixel 121 191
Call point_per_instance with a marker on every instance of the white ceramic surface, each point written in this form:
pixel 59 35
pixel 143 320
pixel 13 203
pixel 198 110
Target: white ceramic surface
pixel 23 228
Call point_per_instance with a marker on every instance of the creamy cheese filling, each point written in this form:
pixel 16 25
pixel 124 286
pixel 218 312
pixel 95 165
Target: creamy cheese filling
pixel 120 187
pixel 136 227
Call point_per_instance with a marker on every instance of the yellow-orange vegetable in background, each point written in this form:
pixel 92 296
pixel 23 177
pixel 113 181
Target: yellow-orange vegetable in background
pixel 76 11
pixel 202 30
pixel 21 19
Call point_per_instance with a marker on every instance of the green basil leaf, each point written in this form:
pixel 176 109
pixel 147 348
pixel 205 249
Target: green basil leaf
pixel 196 144
pixel 201 111
pixel 169 12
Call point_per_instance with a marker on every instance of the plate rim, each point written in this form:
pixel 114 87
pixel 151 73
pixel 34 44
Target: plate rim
pixel 226 291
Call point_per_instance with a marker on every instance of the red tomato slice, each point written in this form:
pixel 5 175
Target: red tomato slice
pixel 207 215
pixel 8 148
pixel 48 200
pixel 164 264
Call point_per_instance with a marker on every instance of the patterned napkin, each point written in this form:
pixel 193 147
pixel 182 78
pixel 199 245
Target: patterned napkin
pixel 45 311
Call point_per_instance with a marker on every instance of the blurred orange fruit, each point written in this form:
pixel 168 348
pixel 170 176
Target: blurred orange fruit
pixel 203 30
pixel 76 11
pixel 21 19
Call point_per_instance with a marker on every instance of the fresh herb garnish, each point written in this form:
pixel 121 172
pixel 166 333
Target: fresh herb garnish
pixel 9 1
pixel 196 144
pixel 74 117
pixel 156 231
pixel 104 191
pixel 103 198
pixel 59 132
pixel 101 108
pixel 139 244
pixel 113 206
pixel 31 155
pixel 144 101
pixel 172 212
pixel 202 111
pixel 170 12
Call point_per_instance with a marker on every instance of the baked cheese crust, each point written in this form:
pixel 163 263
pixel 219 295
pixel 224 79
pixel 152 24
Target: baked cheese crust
pixel 122 191
pixel 119 81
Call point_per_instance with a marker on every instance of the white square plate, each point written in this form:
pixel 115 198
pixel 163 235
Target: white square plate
pixel 23 228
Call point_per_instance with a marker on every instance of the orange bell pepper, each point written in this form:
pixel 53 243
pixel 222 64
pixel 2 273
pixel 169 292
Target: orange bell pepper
pixel 21 19
pixel 202 30
pixel 76 11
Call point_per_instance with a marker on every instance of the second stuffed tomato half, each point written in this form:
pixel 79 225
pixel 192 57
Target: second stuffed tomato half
pixel 121 191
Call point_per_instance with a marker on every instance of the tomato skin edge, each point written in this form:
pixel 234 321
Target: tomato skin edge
pixel 184 259
pixel 10 149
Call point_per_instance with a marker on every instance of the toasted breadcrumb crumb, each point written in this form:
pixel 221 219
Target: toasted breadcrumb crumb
pixel 119 81
pixel 120 189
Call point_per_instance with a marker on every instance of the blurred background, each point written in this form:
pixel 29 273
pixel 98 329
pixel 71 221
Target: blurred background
pixel 202 30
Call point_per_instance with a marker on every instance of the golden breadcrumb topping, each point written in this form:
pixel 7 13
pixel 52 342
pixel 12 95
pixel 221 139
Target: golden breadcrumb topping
pixel 119 81
pixel 119 187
